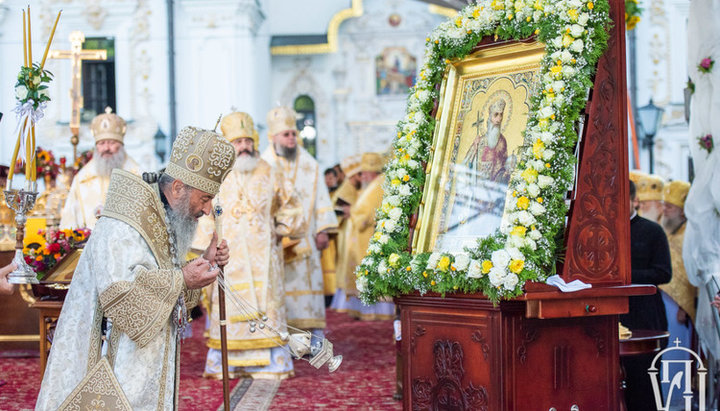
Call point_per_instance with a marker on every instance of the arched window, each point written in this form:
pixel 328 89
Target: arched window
pixel 305 107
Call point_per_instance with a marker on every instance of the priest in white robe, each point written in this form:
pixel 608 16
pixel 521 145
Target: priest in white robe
pixel 87 192
pixel 259 206
pixel 304 291
pixel 133 272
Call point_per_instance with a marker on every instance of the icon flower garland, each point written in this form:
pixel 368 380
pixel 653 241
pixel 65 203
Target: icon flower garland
pixel 43 257
pixel 575 36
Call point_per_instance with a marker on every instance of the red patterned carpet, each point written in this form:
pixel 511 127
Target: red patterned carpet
pixel 365 380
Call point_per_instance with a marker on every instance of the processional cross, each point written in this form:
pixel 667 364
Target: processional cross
pixel 76 55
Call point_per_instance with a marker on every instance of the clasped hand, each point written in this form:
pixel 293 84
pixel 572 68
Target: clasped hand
pixel 203 271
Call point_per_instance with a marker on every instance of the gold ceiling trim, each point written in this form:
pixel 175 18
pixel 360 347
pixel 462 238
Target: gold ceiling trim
pixel 355 10
pixel 443 11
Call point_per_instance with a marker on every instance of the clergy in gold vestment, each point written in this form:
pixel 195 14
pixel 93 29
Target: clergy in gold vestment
pixel 87 192
pixel 362 216
pixel 649 194
pixel 304 295
pixel 259 207
pixel 673 221
pixel 132 272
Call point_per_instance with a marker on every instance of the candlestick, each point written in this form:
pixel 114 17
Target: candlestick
pixel 52 34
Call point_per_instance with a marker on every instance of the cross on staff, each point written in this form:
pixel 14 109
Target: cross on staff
pixel 478 122
pixel 76 54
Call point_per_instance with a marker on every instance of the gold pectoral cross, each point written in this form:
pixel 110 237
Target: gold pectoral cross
pixel 76 55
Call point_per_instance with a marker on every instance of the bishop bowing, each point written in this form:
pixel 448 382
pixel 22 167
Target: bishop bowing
pixel 87 193
pixel 259 207
pixel 304 295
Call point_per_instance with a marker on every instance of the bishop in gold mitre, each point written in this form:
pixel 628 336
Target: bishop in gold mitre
pixel 304 293
pixel 673 221
pixel 362 216
pixel 259 207
pixel 134 273
pixel 649 194
pixel 87 192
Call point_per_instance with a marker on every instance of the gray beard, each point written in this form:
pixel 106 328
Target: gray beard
pixel 245 163
pixel 182 224
pixel 492 135
pixel 105 166
pixel 285 152
pixel 671 224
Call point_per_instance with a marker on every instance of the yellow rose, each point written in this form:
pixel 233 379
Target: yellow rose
pixel 538 148
pixel 377 235
pixel 395 182
pixel 476 13
pixel 530 175
pixel 486 266
pixel 444 263
pixel 556 69
pixel 406 178
pixel 393 259
pixel 573 14
pixel 519 231
pixel 458 22
pixel 516 266
pixel 590 5
pixel 523 203
pixel 567 40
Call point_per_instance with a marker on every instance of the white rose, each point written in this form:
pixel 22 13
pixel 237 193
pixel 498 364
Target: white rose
pixel 461 261
pixel 515 254
pixel 537 165
pixel 583 19
pixel 535 235
pixel 545 181
pixel 515 241
pixel 389 225
pixel 548 154
pixel 545 112
pixel 536 208
pixel 576 30
pixel 568 71
pixel 566 57
pixel 557 42
pixel 433 260
pixel 574 4
pixel 419 117
pixel 383 239
pixel 412 163
pixel 577 46
pixel 558 86
pixel 21 92
pixel 530 244
pixel 533 190
pixel 496 276
pixel 423 95
pixel 475 269
pixel 526 219
pixel 361 283
pixel 382 268
pixel 374 248
pixel 394 201
pixel 395 213
pixel 546 137
pixel 404 190
pixel 510 281
pixel 500 259
pixel 400 173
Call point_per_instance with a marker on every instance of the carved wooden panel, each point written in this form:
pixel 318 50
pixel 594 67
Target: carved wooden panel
pixel 598 234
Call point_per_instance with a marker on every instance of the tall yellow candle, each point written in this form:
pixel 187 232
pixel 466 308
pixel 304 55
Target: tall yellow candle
pixel 52 34
pixel 25 60
pixel 29 34
pixel 33 158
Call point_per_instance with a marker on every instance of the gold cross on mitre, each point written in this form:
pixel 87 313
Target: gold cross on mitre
pixel 76 55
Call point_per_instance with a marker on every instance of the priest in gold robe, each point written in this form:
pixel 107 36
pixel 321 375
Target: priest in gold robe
pixel 649 194
pixel 362 217
pixel 85 200
pixel 304 294
pixel 259 207
pixel 133 272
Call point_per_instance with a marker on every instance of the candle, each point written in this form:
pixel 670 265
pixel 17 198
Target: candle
pixel 33 163
pixel 52 34
pixel 29 36
pixel 24 41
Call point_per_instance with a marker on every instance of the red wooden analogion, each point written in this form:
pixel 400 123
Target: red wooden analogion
pixel 547 349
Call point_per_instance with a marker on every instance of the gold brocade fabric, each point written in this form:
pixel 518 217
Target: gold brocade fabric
pixel 362 215
pixel 258 206
pixel 349 194
pixel 87 196
pixel 99 390
pixel 679 288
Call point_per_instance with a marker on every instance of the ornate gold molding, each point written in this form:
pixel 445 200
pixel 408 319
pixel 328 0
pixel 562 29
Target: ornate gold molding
pixel 443 11
pixel 20 338
pixel 355 10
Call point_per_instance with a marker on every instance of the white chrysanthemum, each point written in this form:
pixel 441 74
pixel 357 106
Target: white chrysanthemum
pixel 389 225
pixel 496 276
pixel 395 213
pixel 384 239
pixel 474 269
pixel 577 46
pixel 536 208
pixel 510 281
pixel 545 181
pixel 548 154
pixel 433 260
pixel 525 218
pixel 374 248
pixel 361 283
pixel 500 259
pixel 419 117
pixel 382 267
pixel 533 190
pixel 462 261
pixel 576 30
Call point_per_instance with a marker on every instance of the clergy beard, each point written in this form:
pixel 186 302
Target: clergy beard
pixel 492 135
pixel 104 166
pixel 182 224
pixel 671 224
pixel 246 163
pixel 286 152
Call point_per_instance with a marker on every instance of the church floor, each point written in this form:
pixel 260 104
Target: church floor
pixel 364 381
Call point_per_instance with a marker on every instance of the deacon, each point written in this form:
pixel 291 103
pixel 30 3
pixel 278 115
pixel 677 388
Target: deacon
pixel 87 192
pixel 133 272
pixel 259 206
pixel 304 299
pixel 362 216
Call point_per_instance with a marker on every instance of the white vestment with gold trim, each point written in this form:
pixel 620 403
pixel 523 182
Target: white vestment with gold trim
pixel 258 206
pixel 87 195
pixel 304 291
